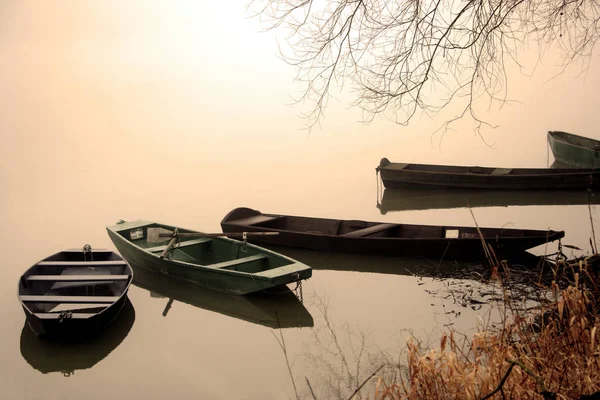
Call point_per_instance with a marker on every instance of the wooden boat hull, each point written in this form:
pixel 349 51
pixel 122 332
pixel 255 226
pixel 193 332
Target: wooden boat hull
pixel 72 328
pixel 399 175
pixel 442 242
pixel 51 356
pixel 88 306
pixel 574 150
pixel 253 277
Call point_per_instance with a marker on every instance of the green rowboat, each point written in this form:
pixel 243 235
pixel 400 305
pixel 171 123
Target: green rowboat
pixel 206 260
pixel 574 150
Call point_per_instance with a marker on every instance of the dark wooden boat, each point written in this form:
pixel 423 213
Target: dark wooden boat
pixel 203 259
pixel 447 242
pixel 425 198
pixel 574 150
pixel 281 309
pixel 399 175
pixel 74 293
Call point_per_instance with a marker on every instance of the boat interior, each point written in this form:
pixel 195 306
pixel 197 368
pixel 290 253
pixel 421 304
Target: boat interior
pixel 214 252
pixel 81 283
pixel 364 229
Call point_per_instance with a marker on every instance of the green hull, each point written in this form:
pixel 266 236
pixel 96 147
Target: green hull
pixel 216 263
pixel 574 150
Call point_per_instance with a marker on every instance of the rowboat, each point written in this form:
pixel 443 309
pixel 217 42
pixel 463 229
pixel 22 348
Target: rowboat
pixel 429 198
pixel 378 238
pixel 574 150
pixel 74 293
pixel 284 310
pixel 400 175
pixel 52 356
pixel 209 260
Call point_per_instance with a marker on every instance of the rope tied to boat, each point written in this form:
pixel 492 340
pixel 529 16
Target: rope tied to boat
pixel 298 291
pixel 65 315
pixel 559 254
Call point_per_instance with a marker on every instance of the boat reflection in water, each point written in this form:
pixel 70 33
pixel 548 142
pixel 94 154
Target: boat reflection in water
pixel 423 267
pixel 277 308
pixel 432 198
pixel 53 356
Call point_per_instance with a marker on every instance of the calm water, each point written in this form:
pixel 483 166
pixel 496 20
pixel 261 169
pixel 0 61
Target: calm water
pixel 178 113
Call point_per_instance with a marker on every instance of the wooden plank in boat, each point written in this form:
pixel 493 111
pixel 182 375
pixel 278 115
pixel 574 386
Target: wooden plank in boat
pixel 181 244
pixel 56 315
pixel 238 261
pixel 257 219
pixel 369 230
pixel 115 263
pixel 502 171
pixel 92 250
pixel 69 299
pixel 77 278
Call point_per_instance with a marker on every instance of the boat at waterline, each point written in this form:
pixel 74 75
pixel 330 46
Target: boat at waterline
pixel 400 175
pixel 378 238
pixel 283 310
pixel 53 356
pixel 206 260
pixel 74 293
pixel 574 150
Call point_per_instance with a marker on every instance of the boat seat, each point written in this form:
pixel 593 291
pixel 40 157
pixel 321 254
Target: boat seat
pixel 68 299
pixel 257 219
pixel 395 166
pixel 115 263
pixel 56 315
pixel 501 171
pixel 181 244
pixel 369 230
pixel 238 261
pixel 77 278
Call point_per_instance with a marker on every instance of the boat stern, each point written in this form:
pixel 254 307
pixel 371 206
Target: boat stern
pixel 286 274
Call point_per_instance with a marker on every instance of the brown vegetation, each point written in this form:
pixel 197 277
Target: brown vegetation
pixel 552 353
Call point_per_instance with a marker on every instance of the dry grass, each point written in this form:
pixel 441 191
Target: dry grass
pixel 550 353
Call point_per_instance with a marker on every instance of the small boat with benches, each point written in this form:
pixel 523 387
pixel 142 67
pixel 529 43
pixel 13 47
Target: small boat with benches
pixel 74 293
pixel 378 238
pixel 401 175
pixel 205 259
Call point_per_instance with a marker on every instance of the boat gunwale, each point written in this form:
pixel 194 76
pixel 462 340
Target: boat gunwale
pixel 563 138
pixel 550 171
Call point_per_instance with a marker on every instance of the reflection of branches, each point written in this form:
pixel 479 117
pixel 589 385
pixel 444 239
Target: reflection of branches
pixel 406 56
pixel 342 356
pixel 281 342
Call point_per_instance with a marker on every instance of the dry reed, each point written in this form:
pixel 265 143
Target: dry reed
pixel 550 353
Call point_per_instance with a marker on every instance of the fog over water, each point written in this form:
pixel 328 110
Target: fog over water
pixel 178 112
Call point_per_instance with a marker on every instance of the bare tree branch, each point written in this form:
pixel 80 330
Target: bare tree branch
pixel 400 57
